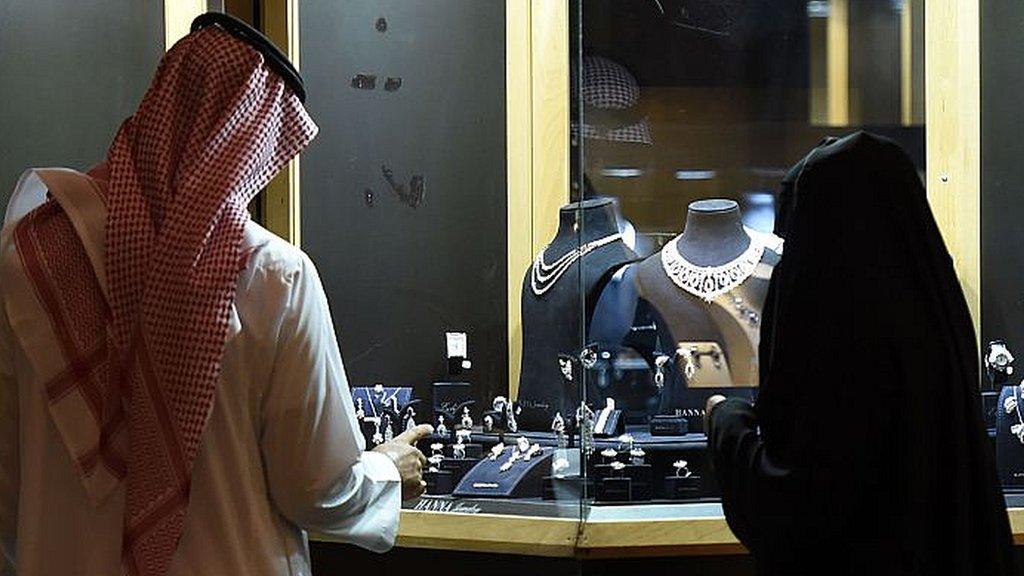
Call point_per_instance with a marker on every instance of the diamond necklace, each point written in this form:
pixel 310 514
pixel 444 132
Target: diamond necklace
pixel 543 275
pixel 707 282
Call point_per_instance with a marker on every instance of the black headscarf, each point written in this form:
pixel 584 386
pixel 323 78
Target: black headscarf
pixel 873 453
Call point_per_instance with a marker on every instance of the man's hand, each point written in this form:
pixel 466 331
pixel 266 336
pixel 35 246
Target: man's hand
pixel 409 460
pixel 711 403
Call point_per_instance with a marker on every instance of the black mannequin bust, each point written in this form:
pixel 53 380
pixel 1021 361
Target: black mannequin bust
pixel 723 329
pixel 551 310
pixel 713 234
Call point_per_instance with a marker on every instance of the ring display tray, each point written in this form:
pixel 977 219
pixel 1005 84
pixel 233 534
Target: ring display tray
pixel 522 480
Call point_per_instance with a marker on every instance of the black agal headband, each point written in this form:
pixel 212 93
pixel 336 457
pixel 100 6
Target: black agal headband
pixel 272 54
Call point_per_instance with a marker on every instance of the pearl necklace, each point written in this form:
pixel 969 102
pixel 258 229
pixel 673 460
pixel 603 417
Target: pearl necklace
pixel 543 275
pixel 708 282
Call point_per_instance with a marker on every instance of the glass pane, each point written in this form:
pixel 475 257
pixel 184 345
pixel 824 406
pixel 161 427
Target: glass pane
pixel 1002 308
pixel 408 212
pixel 687 115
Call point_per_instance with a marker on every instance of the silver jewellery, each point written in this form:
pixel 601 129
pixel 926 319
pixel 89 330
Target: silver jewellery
pixel 680 466
pixel 463 436
pixel 746 312
pixel 459 449
pixel 510 417
pixel 585 423
pixel 360 412
pixel 543 275
pixel 410 421
pixel 659 369
pixel 1018 428
pixel 441 428
pixel 689 355
pixel 511 460
pixel 435 463
pixel 436 448
pixel 389 433
pixel 522 444
pixel 610 454
pixel 488 423
pixel 533 450
pixel 565 365
pixel 558 427
pixel 467 420
pixel 497 451
pixel 618 466
pixel 999 358
pixel 636 456
pixel 378 436
pixel 707 282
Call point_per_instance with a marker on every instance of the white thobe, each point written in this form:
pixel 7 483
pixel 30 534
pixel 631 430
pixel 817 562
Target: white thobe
pixel 281 454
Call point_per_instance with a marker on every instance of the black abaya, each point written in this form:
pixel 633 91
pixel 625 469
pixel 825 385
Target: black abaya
pixel 866 452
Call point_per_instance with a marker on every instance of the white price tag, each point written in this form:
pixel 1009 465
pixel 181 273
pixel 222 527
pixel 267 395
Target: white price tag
pixel 458 344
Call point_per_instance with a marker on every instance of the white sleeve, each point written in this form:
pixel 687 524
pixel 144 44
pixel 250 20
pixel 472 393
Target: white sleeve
pixel 319 475
pixel 9 467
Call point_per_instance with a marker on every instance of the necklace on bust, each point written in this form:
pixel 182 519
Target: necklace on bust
pixel 708 282
pixel 543 275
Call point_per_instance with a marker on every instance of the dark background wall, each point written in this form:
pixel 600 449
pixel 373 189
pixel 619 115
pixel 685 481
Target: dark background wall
pixel 70 72
pixel 398 274
pixel 1002 173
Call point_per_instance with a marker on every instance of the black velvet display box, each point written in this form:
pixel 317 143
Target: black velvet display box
pixel 642 477
pixel 614 426
pixel 669 426
pixel 682 488
pixel 439 483
pixel 449 397
pixel 615 489
pixel 523 480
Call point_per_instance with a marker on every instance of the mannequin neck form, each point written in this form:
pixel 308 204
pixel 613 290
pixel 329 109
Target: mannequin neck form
pixel 714 233
pixel 582 222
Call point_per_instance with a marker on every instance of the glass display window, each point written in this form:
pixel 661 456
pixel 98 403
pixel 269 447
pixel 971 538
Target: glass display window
pixel 547 228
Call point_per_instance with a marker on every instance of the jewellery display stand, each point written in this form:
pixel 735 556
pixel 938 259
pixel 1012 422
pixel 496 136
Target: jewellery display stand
pixel 703 295
pixel 1009 446
pixel 572 270
pixel 522 480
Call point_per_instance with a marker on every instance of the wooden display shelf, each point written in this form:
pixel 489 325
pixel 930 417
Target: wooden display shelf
pixel 602 535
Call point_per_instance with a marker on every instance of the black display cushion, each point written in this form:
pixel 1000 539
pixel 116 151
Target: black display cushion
pixel 439 483
pixel 682 488
pixel 616 489
pixel 669 426
pixel 642 477
pixel 523 480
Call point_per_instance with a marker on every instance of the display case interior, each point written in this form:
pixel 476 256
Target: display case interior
pixel 570 363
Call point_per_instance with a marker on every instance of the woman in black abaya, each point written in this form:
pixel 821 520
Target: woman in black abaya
pixel 866 452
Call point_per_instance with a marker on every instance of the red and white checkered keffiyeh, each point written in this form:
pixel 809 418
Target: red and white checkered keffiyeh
pixel 140 366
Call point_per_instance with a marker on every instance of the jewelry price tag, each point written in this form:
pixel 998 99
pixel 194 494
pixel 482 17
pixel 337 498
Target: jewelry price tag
pixel 458 344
